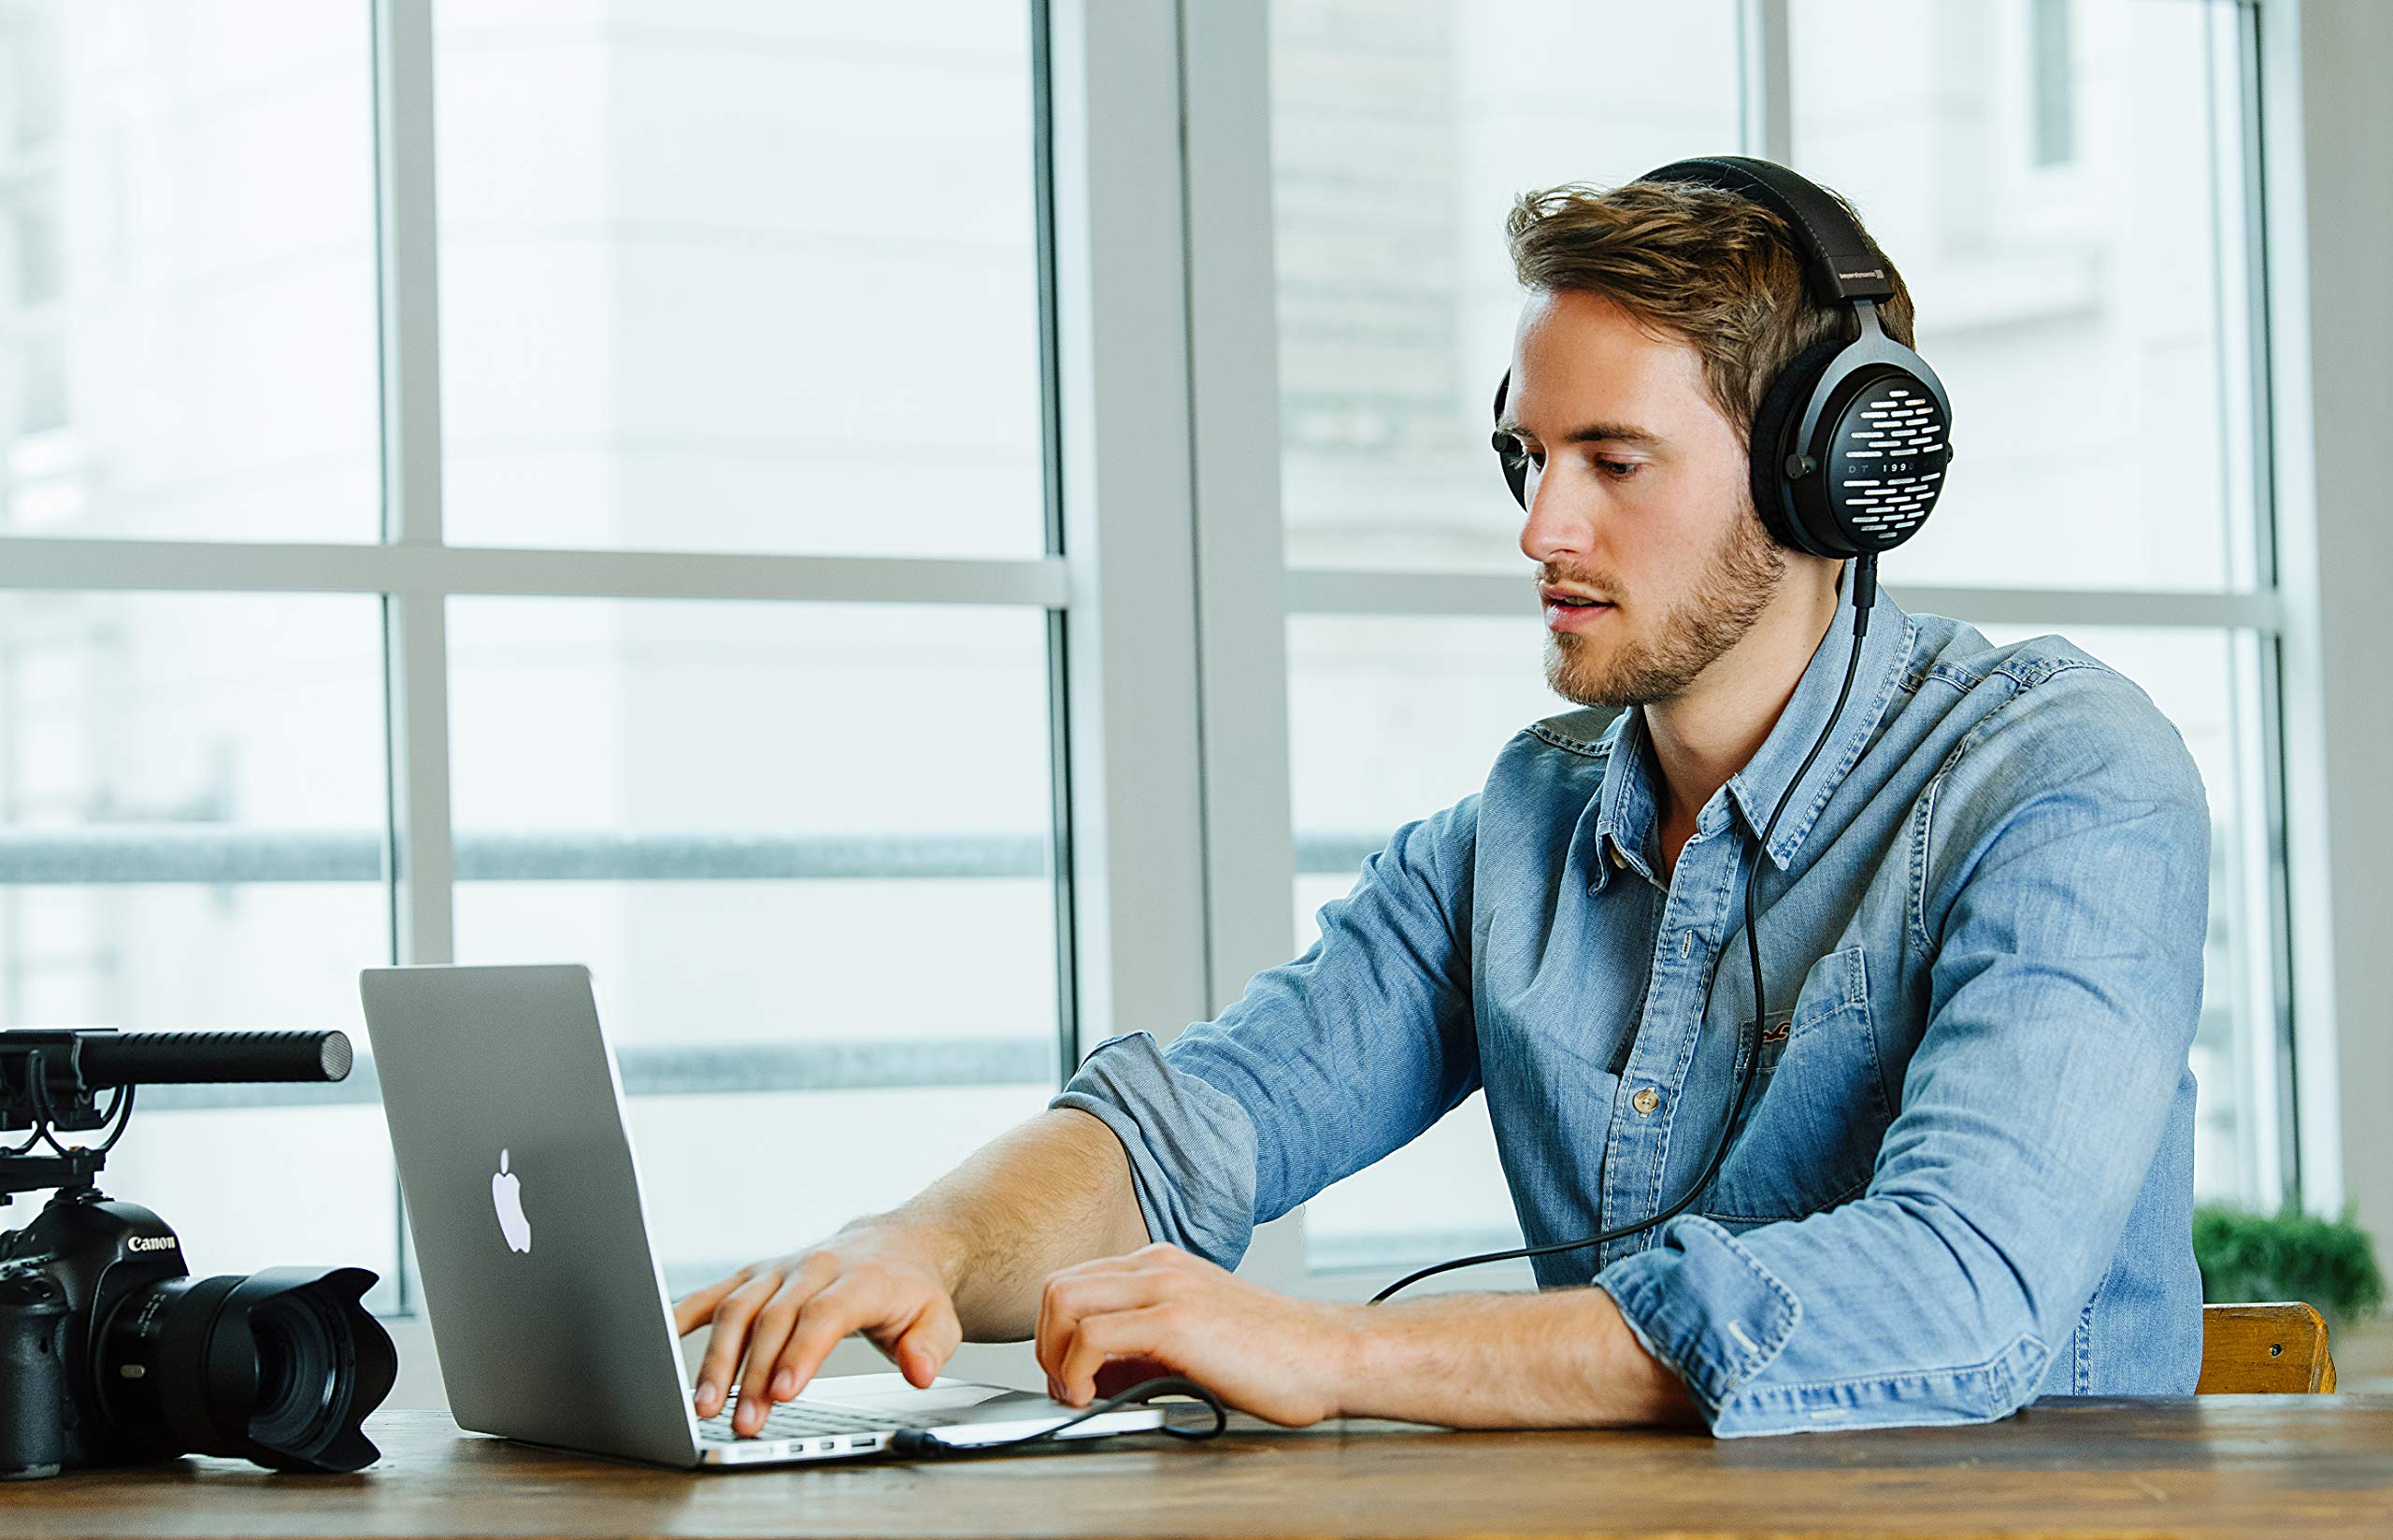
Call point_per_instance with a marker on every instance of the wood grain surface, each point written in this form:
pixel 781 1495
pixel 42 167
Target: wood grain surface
pixel 2306 1465
pixel 2264 1350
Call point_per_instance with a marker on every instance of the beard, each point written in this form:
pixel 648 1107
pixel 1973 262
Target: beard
pixel 1737 585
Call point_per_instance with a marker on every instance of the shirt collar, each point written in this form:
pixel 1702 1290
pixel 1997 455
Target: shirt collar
pixel 1625 805
pixel 1625 811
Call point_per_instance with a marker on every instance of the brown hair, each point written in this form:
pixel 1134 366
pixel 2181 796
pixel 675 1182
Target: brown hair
pixel 1711 266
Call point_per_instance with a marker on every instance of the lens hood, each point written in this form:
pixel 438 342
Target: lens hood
pixel 280 1367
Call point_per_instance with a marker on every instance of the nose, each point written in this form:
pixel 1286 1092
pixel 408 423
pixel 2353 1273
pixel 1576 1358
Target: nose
pixel 1554 529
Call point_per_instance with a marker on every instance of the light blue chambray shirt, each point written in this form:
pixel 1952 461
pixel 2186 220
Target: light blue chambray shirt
pixel 1965 1173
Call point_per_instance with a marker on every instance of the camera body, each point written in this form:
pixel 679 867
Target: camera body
pixel 112 1353
pixel 63 1280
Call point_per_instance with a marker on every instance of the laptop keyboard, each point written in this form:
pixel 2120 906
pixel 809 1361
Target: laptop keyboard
pixel 805 1419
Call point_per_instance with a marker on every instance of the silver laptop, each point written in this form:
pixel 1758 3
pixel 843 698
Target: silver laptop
pixel 548 1307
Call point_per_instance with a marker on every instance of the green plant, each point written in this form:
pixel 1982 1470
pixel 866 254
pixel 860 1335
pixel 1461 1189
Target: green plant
pixel 2288 1255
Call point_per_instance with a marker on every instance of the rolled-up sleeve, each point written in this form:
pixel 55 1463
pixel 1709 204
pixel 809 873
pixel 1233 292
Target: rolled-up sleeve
pixel 1324 1066
pixel 2061 889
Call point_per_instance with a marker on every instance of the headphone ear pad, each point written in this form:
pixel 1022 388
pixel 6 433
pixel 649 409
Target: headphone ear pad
pixel 1781 409
pixel 1516 477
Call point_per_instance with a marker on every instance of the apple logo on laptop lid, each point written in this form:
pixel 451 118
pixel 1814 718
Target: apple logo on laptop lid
pixel 506 1196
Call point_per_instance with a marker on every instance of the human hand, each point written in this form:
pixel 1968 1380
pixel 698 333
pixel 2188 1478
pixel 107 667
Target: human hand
pixel 787 1313
pixel 1107 1324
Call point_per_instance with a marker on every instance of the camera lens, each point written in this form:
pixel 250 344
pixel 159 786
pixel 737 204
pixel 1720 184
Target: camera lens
pixel 297 1378
pixel 280 1367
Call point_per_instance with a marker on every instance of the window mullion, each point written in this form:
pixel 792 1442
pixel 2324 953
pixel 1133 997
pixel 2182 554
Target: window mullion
pixel 1241 610
pixel 1120 364
pixel 1241 549
pixel 416 635
pixel 1766 76
pixel 2325 208
pixel 415 623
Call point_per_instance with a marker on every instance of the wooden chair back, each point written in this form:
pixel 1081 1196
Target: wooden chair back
pixel 2264 1349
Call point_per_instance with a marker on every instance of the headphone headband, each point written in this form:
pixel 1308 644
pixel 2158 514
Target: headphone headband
pixel 1838 263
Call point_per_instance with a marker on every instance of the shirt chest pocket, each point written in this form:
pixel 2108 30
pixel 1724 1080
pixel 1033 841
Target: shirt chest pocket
pixel 1817 1110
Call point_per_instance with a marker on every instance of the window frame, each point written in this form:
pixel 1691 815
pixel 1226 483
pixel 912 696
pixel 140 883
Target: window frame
pixel 415 571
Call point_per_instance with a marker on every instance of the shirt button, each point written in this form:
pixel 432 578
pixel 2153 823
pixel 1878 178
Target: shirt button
pixel 1646 1100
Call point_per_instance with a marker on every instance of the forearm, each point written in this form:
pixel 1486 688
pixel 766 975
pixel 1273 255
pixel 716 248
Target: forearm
pixel 1560 1359
pixel 1053 1191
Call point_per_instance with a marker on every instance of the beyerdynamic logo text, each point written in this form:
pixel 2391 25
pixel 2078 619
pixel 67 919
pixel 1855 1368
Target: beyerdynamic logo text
pixel 1872 273
pixel 150 1243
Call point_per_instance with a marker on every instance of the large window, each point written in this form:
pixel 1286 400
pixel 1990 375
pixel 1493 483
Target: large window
pixel 740 278
pixel 915 539
pixel 187 331
pixel 2091 316
pixel 714 308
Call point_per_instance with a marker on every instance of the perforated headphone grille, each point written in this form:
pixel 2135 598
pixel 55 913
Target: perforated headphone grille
pixel 1887 465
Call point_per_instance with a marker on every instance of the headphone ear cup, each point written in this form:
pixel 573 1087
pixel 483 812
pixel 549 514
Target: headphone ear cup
pixel 1780 413
pixel 1516 476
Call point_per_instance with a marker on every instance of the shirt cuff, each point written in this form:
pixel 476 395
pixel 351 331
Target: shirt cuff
pixel 1704 1304
pixel 1706 1308
pixel 1191 1146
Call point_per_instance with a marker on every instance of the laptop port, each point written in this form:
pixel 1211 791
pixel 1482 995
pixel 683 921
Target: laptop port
pixel 826 1446
pixel 864 1443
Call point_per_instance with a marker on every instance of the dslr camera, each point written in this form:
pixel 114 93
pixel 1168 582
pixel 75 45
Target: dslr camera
pixel 112 1353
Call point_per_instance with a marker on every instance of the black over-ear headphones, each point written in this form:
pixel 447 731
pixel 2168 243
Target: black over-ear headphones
pixel 1851 441
pixel 1849 453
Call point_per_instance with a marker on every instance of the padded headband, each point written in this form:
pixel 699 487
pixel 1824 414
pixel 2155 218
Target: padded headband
pixel 1838 263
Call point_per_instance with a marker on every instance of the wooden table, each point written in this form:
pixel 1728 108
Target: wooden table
pixel 2276 1466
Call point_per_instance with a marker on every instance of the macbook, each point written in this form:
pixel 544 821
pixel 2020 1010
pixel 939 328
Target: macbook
pixel 548 1306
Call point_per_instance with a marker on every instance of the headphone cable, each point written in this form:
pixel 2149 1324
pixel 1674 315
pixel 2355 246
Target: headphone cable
pixel 1865 594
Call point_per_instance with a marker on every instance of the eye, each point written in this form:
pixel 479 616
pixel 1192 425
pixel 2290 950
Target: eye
pixel 1619 470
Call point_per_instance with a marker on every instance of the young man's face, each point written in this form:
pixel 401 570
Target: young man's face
pixel 1638 497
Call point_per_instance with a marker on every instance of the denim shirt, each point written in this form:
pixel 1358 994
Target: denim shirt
pixel 1964 1176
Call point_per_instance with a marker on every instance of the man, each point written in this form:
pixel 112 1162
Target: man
pixel 1963 1176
